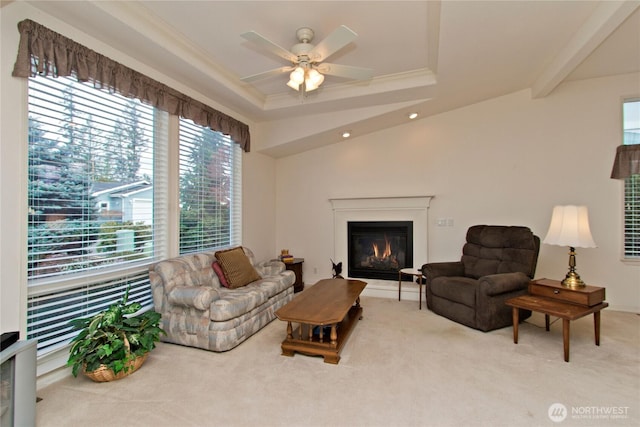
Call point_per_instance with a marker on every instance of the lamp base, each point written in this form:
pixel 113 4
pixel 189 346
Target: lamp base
pixel 573 281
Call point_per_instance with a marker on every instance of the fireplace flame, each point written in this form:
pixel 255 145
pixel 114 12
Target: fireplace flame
pixel 387 249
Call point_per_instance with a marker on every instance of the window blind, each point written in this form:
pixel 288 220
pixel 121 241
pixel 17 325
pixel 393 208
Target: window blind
pixel 631 135
pixel 96 218
pixel 632 217
pixel 210 189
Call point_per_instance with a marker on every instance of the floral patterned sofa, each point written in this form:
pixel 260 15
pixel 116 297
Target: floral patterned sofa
pixel 197 311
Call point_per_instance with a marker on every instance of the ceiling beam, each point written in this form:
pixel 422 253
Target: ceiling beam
pixel 601 24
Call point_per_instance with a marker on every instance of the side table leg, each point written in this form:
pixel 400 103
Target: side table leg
pixel 399 284
pixel 565 338
pixel 420 298
pixel 596 326
pixel 289 331
pixel 546 322
pixel 516 317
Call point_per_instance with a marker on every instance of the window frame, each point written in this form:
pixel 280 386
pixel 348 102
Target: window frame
pixel 167 156
pixel 626 182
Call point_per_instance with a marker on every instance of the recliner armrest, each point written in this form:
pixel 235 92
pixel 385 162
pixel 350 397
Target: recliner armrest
pixel 496 284
pixel 436 269
pixel 199 297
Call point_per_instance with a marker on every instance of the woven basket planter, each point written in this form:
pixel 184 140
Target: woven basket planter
pixel 104 374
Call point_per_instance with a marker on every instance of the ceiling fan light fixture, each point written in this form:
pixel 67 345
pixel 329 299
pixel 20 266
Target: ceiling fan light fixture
pixel 313 80
pixel 297 75
pixel 293 85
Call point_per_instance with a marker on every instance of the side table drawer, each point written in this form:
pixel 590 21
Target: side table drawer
pixel 587 296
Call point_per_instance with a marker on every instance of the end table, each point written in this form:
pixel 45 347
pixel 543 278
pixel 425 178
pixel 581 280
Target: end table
pixel 413 272
pixel 552 299
pixel 296 267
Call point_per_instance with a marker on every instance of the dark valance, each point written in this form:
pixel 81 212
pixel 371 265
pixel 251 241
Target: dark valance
pixel 627 161
pixel 43 51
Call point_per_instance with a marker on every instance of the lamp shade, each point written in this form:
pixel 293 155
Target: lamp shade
pixel 570 227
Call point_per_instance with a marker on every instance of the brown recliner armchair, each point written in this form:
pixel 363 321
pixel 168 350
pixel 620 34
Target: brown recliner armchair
pixel 497 264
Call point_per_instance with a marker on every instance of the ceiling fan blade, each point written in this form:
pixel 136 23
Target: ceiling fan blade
pixel 270 46
pixel 339 38
pixel 266 74
pixel 346 71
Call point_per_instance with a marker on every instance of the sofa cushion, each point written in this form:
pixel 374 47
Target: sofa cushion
pixel 236 267
pixel 236 302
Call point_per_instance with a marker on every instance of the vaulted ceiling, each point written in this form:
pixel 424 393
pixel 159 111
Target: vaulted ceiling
pixel 427 56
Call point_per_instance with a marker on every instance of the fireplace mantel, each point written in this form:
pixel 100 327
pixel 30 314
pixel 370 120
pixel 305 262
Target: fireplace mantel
pixel 381 203
pixel 409 208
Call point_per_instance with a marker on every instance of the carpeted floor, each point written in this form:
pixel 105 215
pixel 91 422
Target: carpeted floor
pixel 400 367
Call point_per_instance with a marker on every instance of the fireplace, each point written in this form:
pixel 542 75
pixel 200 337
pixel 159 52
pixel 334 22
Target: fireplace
pixel 378 249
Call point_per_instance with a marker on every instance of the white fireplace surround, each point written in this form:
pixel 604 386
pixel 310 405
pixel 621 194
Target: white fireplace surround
pixel 410 208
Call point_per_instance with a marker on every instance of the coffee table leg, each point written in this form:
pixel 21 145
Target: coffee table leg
pixel 334 335
pixel 516 317
pixel 289 331
pixel 596 326
pixel 565 338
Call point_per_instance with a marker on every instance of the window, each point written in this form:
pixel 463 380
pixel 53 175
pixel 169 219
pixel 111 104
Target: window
pixel 210 189
pixel 94 223
pixel 631 129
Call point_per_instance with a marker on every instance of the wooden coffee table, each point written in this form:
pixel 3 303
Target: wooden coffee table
pixel 325 314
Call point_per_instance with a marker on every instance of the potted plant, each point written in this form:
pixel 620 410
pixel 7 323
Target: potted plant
pixel 115 342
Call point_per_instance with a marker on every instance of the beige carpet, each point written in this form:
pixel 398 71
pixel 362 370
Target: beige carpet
pixel 400 367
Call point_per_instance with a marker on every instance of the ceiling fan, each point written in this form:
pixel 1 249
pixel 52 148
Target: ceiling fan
pixel 307 69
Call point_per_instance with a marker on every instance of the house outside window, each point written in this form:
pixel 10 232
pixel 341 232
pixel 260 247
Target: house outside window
pixel 631 135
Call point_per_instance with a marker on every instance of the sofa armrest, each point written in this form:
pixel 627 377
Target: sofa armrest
pixel 437 269
pixel 496 284
pixel 270 268
pixel 199 297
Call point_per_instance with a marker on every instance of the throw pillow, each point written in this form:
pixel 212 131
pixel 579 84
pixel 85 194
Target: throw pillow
pixel 236 267
pixel 216 267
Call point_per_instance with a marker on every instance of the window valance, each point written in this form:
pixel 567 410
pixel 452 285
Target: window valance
pixel 43 51
pixel 627 161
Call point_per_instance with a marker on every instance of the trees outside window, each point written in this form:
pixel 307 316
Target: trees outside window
pixel 209 177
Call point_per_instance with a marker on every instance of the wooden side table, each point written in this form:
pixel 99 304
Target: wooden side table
pixel 413 272
pixel 296 267
pixel 551 298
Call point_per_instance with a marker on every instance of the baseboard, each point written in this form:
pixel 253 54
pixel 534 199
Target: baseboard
pixel 52 377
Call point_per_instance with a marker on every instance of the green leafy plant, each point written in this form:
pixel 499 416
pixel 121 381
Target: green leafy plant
pixel 113 337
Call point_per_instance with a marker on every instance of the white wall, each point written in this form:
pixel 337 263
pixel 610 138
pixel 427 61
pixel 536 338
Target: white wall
pixel 504 161
pixel 258 170
pixel 258 205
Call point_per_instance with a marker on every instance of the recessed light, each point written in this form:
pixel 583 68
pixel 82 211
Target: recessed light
pixel 346 134
pixel 413 115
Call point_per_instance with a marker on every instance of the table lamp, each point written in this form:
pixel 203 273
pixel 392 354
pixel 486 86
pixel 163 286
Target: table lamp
pixel 570 227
